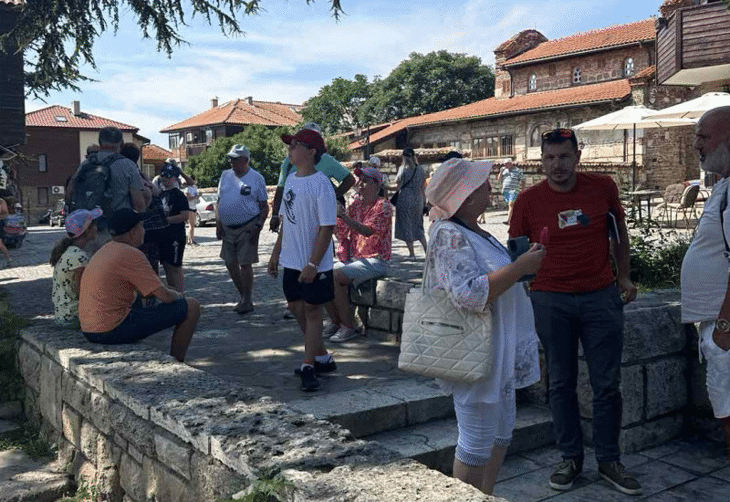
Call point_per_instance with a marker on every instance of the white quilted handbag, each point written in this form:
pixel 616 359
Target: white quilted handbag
pixel 441 341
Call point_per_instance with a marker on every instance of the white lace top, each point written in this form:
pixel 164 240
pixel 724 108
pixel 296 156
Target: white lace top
pixel 459 261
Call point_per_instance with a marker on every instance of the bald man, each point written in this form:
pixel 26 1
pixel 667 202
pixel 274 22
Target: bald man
pixel 706 268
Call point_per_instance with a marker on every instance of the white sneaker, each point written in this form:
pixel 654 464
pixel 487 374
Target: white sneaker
pixel 343 334
pixel 330 330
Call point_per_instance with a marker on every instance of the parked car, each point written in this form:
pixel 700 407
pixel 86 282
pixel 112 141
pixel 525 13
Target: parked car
pixel 58 217
pixel 205 209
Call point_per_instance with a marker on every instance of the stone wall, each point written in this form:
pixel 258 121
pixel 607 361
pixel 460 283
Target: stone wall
pixel 140 426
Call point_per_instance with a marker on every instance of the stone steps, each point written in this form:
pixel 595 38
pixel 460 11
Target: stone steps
pixel 433 443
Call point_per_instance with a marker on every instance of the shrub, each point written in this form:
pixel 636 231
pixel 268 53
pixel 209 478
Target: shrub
pixel 656 257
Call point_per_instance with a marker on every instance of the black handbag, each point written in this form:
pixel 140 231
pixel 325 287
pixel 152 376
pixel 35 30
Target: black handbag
pixel 394 198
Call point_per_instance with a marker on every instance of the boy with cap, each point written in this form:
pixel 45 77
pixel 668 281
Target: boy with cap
pixel 114 279
pixel 172 245
pixel 364 249
pixel 304 248
pixel 241 213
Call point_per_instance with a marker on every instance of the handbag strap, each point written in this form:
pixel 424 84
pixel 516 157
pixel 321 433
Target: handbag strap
pixel 410 179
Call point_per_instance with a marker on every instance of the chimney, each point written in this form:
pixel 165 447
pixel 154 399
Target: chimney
pixel 76 108
pixel 249 100
pixel 214 102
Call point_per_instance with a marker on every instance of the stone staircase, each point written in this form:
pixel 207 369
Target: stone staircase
pixel 416 419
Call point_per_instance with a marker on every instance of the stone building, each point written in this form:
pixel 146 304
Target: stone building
pixel 541 84
pixel 193 135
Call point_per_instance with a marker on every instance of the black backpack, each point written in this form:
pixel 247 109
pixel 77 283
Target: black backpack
pixel 92 184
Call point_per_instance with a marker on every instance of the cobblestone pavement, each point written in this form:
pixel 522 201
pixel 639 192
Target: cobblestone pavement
pixel 260 349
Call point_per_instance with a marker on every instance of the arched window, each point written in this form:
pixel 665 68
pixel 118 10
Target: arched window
pixel 576 75
pixel 532 83
pixel 628 67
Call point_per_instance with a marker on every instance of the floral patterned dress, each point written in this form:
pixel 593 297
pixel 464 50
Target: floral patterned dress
pixel 409 209
pixel 65 300
pixel 459 261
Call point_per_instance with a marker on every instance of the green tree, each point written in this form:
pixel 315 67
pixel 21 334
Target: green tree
pixel 267 152
pixel 335 108
pixel 428 83
pixel 58 36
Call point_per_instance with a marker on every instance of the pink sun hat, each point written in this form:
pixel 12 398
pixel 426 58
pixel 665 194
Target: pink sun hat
pixel 452 183
pixel 81 219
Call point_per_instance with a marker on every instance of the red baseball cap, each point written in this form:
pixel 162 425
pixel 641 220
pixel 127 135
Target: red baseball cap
pixel 307 136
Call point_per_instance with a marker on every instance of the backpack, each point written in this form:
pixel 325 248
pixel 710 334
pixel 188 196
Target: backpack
pixel 92 184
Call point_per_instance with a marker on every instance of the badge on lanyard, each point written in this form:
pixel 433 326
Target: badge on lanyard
pixel 571 218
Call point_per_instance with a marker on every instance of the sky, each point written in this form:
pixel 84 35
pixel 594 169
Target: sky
pixel 292 49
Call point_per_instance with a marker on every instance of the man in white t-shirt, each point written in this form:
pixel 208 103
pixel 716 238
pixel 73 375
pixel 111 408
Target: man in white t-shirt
pixel 304 248
pixel 705 268
pixel 242 210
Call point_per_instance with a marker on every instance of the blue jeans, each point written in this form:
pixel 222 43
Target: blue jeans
pixel 596 319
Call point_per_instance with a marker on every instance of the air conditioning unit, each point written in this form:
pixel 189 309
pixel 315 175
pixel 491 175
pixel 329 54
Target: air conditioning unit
pixel 57 190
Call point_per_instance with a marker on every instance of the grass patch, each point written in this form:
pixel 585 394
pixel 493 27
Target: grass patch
pixel 84 493
pixel 265 490
pixel 27 438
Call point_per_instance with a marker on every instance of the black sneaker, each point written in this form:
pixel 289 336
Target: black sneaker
pixel 309 380
pixel 320 368
pixel 614 473
pixel 565 474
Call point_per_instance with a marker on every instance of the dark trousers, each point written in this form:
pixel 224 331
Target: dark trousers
pixel 596 319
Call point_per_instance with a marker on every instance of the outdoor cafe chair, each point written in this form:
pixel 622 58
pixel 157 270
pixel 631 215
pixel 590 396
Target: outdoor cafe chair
pixel 669 210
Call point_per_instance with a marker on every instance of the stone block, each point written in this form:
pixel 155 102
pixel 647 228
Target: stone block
pixel 89 440
pixel 106 452
pixel 101 412
pixel 650 434
pixel 71 425
pixel 392 294
pixel 108 485
pixel 135 453
pixel 651 332
pixel 379 319
pixel 131 477
pixel 211 480
pixel 666 386
pixel 50 392
pixel 163 485
pixel 132 428
pixel 396 322
pixel 31 406
pixel 632 391
pixel 173 453
pixel 77 394
pixel 363 294
pixel 29 361
pixel 120 441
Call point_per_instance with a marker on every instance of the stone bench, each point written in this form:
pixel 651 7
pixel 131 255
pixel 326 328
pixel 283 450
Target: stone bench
pixel 380 303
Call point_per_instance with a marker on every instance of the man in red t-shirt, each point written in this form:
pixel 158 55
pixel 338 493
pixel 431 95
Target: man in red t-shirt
pixel 576 297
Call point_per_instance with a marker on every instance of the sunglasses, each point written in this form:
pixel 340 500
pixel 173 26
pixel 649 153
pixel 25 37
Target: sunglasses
pixel 557 134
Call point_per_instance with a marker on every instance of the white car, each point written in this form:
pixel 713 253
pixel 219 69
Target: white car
pixel 205 209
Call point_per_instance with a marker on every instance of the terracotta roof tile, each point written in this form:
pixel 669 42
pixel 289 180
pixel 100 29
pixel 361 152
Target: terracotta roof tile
pixel 243 112
pixel 60 116
pixel 491 107
pixel 612 36
pixel 154 152
pixel 646 73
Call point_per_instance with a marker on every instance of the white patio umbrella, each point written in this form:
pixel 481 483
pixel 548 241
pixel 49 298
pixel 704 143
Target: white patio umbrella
pixel 631 117
pixel 694 108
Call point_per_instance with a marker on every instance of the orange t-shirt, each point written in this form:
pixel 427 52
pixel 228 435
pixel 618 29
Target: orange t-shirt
pixel 577 258
pixel 110 282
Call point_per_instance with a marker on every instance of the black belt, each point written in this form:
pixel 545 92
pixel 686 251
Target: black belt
pixel 236 227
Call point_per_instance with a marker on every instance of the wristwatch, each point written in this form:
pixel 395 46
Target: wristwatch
pixel 722 325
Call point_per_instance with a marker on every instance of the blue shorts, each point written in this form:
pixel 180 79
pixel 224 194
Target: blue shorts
pixel 510 195
pixel 360 270
pixel 143 322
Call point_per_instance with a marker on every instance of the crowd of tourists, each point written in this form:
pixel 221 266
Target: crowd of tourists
pixel 560 290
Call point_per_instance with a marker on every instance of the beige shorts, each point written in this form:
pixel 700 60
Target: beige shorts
pixel 241 245
pixel 718 370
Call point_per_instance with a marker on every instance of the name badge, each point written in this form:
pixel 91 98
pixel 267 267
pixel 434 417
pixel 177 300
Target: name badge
pixel 570 218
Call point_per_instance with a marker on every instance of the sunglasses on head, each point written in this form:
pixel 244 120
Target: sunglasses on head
pixel 558 133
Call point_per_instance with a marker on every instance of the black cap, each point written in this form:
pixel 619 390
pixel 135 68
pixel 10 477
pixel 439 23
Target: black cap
pixel 408 152
pixel 124 220
pixel 170 170
pixel 453 154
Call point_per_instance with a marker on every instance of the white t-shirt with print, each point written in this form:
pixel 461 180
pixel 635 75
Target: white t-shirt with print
pixel 704 268
pixel 235 208
pixel 65 301
pixel 308 203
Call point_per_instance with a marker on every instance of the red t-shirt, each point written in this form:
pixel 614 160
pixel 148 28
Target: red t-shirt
pixel 577 258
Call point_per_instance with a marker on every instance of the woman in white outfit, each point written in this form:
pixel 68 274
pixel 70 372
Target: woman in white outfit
pixel 475 270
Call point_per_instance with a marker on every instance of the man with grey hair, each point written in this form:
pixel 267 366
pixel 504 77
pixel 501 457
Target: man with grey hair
pixel 706 268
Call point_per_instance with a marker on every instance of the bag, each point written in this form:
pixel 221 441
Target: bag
pixel 92 184
pixel 394 198
pixel 441 341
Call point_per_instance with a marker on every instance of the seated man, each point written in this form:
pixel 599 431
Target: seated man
pixel 115 276
pixel 364 249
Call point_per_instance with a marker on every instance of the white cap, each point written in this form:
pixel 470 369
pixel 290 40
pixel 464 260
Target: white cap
pixel 374 162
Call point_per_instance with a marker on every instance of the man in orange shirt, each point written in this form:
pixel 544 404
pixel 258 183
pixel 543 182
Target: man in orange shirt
pixel 115 277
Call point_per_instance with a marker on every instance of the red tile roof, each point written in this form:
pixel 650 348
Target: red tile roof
pixel 647 73
pixel 243 112
pixel 154 152
pixel 46 117
pixel 613 36
pixel 491 107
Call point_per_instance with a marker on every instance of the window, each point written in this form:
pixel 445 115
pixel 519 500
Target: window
pixel 174 141
pixel 505 87
pixel 628 67
pixel 42 196
pixel 188 137
pixel 576 75
pixel 493 146
pixel 42 163
pixel 209 136
pixel 532 83
pixel 601 63
pixel 60 118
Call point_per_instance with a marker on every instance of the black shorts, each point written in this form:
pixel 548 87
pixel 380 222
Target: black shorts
pixel 171 252
pixel 317 292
